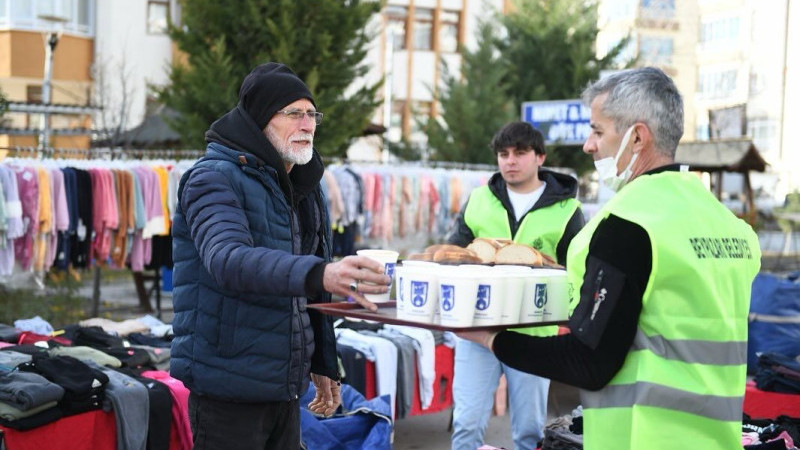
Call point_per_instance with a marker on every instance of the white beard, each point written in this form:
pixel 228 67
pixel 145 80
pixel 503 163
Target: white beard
pixel 298 157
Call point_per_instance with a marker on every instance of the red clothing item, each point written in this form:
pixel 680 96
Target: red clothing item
pixel 181 430
pixel 27 337
pixel 93 430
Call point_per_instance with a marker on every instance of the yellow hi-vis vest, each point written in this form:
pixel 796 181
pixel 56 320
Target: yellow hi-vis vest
pixel 541 229
pixel 682 383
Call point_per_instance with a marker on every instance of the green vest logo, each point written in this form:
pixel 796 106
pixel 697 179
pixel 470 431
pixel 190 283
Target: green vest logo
pixel 538 243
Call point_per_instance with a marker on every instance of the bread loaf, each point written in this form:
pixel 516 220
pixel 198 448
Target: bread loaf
pixel 518 254
pixel 484 249
pixel 457 256
pixel 425 256
pixel 436 247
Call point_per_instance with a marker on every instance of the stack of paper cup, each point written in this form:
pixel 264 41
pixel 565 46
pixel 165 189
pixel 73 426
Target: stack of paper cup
pixel 535 297
pixel 518 282
pixel 557 305
pixel 418 293
pixel 458 289
pixel 389 259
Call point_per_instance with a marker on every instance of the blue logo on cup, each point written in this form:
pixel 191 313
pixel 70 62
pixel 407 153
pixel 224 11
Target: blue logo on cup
pixel 484 297
pixel 419 293
pixel 448 297
pixel 389 269
pixel 540 295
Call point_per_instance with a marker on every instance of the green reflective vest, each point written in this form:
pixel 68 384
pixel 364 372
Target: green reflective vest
pixel 541 229
pixel 682 383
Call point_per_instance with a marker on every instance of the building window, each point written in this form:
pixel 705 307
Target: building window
pixel 720 31
pixel 764 133
pixel 448 31
pixel 157 14
pixel 657 9
pixel 619 9
pixel 22 9
pixel 83 13
pixel 701 132
pixel 396 17
pixel 655 51
pixel 423 29
pixel 716 84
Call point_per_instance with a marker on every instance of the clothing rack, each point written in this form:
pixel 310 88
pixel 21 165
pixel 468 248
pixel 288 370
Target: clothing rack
pixel 412 164
pixel 102 153
pixel 113 157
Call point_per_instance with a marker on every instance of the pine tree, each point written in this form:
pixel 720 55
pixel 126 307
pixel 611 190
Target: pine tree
pixel 549 53
pixel 323 41
pixel 474 104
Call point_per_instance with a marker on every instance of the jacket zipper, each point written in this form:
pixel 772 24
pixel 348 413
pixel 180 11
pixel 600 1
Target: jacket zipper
pixel 293 393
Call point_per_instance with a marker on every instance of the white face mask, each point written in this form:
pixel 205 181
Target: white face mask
pixel 607 167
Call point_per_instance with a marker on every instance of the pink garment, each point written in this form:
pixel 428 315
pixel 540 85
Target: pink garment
pixel 180 405
pixel 28 187
pixel 142 247
pixel 435 204
pixel 151 192
pixel 60 214
pixel 388 208
pixel 377 220
pixel 105 214
pixel 786 439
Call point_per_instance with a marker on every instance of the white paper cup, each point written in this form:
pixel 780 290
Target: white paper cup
pixel 389 259
pixel 458 289
pixel 491 296
pixel 420 293
pixel 557 306
pixel 515 291
pixel 534 297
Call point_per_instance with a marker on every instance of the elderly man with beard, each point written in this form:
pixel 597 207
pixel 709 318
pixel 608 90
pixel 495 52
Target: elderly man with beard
pixel 252 247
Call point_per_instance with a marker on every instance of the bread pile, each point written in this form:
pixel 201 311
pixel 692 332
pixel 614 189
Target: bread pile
pixel 446 254
pixel 505 251
pixel 484 251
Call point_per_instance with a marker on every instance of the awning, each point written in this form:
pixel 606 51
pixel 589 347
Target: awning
pixel 724 155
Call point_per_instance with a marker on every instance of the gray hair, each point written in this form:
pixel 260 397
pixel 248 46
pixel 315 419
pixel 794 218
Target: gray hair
pixel 642 95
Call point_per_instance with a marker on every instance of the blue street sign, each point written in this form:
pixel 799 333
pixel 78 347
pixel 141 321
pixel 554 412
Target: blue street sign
pixel 563 122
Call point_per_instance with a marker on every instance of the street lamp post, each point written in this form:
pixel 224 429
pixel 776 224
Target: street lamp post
pixel 52 38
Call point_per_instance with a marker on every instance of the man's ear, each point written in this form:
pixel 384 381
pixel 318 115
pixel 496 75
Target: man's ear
pixel 641 137
pixel 543 156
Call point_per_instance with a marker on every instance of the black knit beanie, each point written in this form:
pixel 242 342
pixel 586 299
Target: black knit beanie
pixel 269 88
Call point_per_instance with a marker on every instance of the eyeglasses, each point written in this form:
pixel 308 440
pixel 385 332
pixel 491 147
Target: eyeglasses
pixel 298 114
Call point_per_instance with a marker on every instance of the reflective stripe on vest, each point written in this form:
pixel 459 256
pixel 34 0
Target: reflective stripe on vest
pixel 651 394
pixel 687 365
pixel 693 351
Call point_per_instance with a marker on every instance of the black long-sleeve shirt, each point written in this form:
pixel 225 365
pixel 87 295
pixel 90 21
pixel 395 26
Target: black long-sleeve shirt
pixel 618 266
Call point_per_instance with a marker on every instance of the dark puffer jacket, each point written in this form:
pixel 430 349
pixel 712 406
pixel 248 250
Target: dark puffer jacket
pixel 245 238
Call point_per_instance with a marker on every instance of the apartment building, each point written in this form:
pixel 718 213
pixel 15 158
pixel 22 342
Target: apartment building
pixel 27 28
pixel 662 33
pixel 731 58
pixel 744 59
pixel 416 40
pixel 132 52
